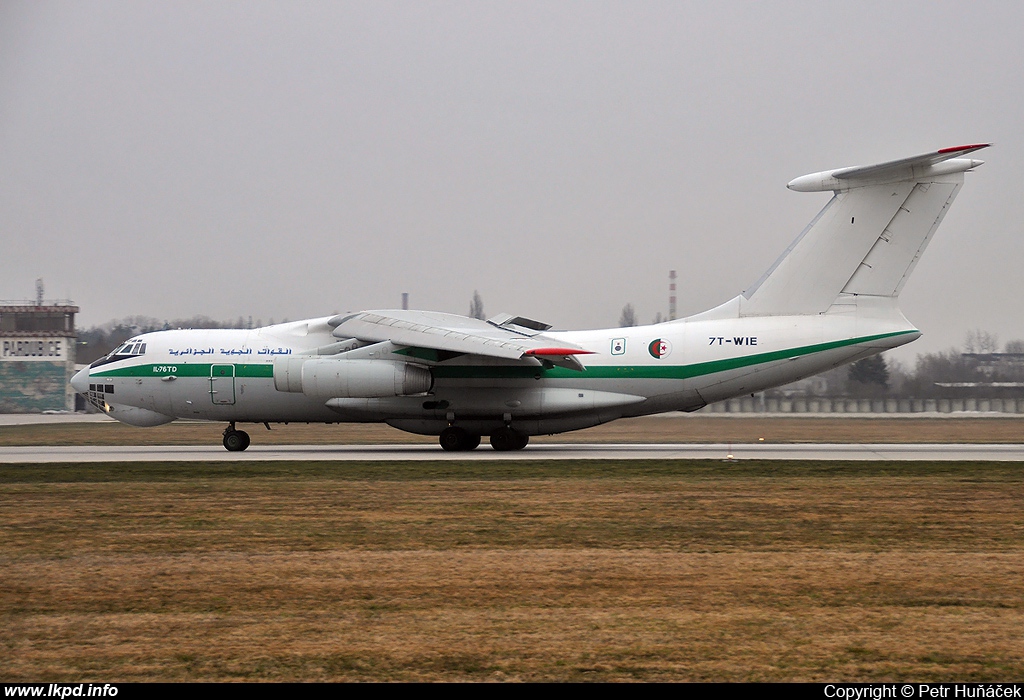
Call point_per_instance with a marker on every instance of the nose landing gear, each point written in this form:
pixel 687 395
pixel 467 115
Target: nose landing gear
pixel 235 440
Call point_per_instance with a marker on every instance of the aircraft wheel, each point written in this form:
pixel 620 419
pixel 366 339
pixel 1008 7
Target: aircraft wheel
pixel 236 440
pixel 458 440
pixel 507 439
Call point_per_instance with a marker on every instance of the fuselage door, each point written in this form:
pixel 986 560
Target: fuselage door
pixel 222 384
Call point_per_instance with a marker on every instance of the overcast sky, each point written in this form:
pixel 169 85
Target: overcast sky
pixel 287 159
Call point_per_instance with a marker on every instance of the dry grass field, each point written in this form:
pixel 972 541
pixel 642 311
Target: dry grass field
pixel 699 428
pixel 455 570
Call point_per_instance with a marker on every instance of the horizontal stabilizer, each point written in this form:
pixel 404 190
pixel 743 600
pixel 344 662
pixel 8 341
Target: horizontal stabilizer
pixel 926 164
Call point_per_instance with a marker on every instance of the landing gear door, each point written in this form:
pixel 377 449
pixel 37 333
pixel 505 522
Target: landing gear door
pixel 222 384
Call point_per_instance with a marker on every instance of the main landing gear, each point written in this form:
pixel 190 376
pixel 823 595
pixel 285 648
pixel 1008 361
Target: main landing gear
pixel 458 440
pixel 507 439
pixel 504 440
pixel 235 440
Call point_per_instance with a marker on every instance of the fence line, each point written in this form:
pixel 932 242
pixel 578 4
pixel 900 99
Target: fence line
pixel 759 404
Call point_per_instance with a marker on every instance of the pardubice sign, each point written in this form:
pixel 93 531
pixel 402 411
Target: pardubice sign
pixel 49 349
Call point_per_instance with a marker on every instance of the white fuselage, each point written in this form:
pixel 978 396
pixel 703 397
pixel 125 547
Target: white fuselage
pixel 830 298
pixel 229 375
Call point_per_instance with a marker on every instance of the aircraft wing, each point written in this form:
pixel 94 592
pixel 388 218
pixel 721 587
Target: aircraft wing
pixel 514 339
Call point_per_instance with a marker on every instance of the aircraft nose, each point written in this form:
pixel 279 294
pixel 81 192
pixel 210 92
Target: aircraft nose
pixel 80 382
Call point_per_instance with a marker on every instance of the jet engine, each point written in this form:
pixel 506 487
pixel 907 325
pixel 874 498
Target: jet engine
pixel 328 379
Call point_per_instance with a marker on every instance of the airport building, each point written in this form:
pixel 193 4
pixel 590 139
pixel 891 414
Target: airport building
pixel 37 356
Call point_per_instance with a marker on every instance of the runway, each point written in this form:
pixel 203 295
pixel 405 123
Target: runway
pixel 257 453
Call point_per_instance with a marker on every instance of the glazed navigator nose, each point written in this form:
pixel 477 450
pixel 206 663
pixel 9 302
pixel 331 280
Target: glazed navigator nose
pixel 80 382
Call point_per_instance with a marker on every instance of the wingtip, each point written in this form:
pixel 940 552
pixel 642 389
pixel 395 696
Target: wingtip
pixel 563 352
pixel 968 147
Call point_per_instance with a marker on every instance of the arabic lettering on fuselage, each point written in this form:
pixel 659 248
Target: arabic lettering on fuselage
pixel 229 351
pixel 192 351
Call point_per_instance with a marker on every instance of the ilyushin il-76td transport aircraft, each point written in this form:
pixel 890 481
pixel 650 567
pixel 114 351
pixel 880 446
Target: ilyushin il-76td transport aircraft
pixel 831 298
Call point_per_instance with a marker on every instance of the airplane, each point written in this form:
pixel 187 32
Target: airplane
pixel 831 298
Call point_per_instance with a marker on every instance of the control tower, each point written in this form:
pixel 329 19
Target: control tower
pixel 37 355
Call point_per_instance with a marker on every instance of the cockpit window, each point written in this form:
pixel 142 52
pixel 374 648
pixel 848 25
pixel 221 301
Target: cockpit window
pixel 132 348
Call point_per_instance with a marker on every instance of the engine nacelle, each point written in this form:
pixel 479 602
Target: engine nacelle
pixel 327 379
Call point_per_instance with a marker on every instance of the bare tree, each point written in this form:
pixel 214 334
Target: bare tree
pixel 628 317
pixel 979 341
pixel 658 318
pixel 1014 346
pixel 476 307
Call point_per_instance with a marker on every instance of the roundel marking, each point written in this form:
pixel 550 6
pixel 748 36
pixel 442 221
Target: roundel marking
pixel 659 348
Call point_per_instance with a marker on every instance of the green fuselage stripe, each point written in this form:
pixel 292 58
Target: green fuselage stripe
pixel 186 370
pixel 650 371
pixel 266 370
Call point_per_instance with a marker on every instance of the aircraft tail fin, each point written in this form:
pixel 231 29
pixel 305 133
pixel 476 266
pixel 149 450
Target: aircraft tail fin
pixel 868 238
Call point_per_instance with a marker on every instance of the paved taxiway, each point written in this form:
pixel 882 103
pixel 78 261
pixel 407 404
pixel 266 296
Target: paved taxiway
pixel 211 453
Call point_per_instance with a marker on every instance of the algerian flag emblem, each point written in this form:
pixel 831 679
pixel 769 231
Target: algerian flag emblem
pixel 659 348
